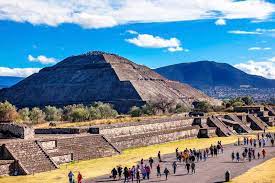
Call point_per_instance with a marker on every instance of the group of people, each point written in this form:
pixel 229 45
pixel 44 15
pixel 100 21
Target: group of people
pixel 72 178
pixel 251 144
pixel 188 157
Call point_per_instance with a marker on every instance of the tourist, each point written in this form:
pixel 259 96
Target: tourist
pixel 233 156
pixel 119 171
pixel 138 172
pixel 71 177
pixel 263 153
pixel 141 162
pixel 255 143
pixel 159 157
pixel 151 161
pixel 249 155
pixel 187 167
pixel 133 172
pixel 238 156
pixel 272 142
pixel 114 173
pixel 193 167
pixel 144 173
pixel 126 174
pixel 79 178
pixel 158 171
pixel 239 141
pixel 259 155
pixel 174 165
pixel 260 143
pixel 166 172
pixel 148 171
pixel 204 155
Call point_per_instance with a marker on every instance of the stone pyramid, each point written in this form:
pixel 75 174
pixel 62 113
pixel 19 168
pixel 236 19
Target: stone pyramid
pixel 98 76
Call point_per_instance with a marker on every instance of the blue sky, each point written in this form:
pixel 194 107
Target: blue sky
pixel 243 35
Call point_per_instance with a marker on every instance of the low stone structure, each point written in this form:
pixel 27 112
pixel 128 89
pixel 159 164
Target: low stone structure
pixel 8 130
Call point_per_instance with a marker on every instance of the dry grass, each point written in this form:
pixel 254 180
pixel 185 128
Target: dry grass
pixel 102 166
pixel 122 119
pixel 263 173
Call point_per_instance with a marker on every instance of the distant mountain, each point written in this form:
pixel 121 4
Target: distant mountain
pixel 7 81
pixel 208 74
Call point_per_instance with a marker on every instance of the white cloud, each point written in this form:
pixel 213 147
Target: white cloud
pixel 132 32
pixel 42 59
pixel 259 48
pixel 19 72
pixel 260 68
pixel 108 13
pixel 150 41
pixel 220 21
pixel 243 32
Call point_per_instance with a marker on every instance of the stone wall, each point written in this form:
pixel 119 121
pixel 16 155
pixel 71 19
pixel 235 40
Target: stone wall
pixel 145 128
pixel 15 130
pixel 6 167
pixel 158 137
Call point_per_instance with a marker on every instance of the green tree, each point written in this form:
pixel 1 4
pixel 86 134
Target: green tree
pixel 106 110
pixel 79 114
pixel 8 112
pixel 94 113
pixel 181 108
pixel 52 113
pixel 247 100
pixel 37 115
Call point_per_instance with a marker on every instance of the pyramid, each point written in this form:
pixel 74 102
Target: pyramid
pixel 99 76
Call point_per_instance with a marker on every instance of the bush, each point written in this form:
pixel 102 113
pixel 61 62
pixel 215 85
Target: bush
pixel 181 108
pixel 79 114
pixel 24 114
pixel 135 111
pixel 94 113
pixel 8 112
pixel 52 113
pixel 37 115
pixel 202 106
pixel 106 110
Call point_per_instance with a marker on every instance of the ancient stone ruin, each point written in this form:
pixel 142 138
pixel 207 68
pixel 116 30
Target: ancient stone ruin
pixel 99 76
pixel 24 150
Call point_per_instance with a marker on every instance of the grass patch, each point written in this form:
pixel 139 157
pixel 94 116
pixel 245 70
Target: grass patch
pixel 102 166
pixel 122 119
pixel 263 173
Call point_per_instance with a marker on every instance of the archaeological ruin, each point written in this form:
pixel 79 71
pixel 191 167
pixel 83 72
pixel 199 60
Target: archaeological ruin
pixel 25 150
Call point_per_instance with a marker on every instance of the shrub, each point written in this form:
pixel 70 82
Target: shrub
pixel 79 114
pixel 94 113
pixel 24 114
pixel 202 106
pixel 52 113
pixel 135 111
pixel 8 112
pixel 37 115
pixel 106 110
pixel 181 108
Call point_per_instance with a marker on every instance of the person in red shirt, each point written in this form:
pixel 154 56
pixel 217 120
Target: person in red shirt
pixel 79 178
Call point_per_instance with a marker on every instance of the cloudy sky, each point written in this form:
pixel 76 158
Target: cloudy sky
pixel 39 33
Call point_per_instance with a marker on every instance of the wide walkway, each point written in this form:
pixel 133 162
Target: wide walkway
pixel 211 170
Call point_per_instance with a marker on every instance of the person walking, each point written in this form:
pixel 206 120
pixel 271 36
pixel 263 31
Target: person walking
pixel 119 171
pixel 158 171
pixel 166 172
pixel 193 165
pixel 79 178
pixel 126 175
pixel 233 156
pixel 138 172
pixel 151 161
pixel 148 171
pixel 174 166
pixel 159 157
pixel 259 155
pixel 114 173
pixel 71 177
pixel 238 156
pixel 272 142
pixel 187 167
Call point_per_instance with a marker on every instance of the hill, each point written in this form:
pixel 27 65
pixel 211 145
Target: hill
pixel 208 74
pixel 7 81
pixel 99 76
